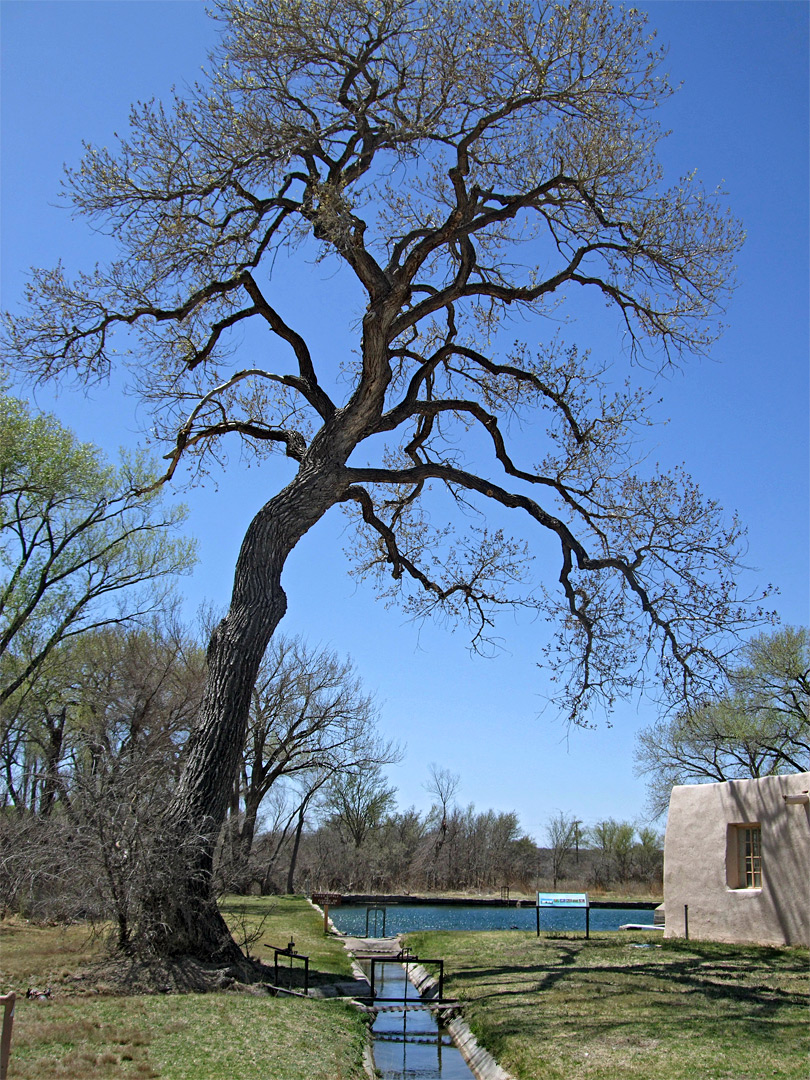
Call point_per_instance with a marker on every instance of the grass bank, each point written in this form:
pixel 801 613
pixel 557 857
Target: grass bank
pixel 563 1008
pixel 260 922
pixel 86 1030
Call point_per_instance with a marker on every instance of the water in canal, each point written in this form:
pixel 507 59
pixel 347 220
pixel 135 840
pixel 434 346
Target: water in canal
pixel 409 1044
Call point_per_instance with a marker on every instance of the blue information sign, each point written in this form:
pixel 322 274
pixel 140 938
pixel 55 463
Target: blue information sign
pixel 565 900
pixel 555 899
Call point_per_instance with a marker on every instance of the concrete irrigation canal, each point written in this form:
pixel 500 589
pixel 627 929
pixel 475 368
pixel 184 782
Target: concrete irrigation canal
pixel 417 1034
pixel 411 1041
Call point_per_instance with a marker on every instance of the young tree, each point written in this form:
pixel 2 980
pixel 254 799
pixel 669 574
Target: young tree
pixel 102 730
pixel 81 544
pixel 771 688
pixel 310 718
pixel 113 827
pixel 623 847
pixel 357 801
pixel 460 163
pixel 562 832
pixel 648 855
pixel 309 715
pixel 443 784
pixel 486 852
pixel 400 843
pixel 612 842
pixel 116 693
pixel 759 724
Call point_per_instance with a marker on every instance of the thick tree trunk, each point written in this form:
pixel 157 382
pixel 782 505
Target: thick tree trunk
pixel 181 915
pixel 240 839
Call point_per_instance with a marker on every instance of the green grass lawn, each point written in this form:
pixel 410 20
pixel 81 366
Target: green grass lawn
pixel 80 1034
pixel 562 1007
pixel 282 917
pixel 552 1008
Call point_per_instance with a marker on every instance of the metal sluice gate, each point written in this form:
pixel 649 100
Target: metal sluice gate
pixel 405 958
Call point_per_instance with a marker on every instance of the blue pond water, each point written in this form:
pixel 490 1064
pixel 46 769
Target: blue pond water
pixel 406 918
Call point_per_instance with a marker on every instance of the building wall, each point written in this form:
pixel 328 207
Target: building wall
pixel 701 862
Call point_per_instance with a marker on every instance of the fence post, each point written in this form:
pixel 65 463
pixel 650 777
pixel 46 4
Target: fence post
pixel 8 1001
pixel 686 921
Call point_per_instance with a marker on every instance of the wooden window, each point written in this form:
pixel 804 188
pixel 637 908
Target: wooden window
pixel 749 856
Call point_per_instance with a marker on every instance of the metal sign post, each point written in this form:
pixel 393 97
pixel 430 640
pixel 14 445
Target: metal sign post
pixel 565 900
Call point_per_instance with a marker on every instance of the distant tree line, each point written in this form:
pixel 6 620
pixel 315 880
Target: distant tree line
pixel 472 851
pixel 92 746
pixel 100 685
pixel 92 750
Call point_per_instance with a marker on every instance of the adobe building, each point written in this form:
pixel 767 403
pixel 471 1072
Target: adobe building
pixel 737 861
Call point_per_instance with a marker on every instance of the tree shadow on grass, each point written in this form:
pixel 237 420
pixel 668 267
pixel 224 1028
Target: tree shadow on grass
pixel 710 976
pixel 128 975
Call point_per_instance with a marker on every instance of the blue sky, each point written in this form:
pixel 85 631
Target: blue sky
pixel 739 419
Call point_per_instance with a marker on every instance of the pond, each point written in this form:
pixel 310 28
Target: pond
pixel 408 918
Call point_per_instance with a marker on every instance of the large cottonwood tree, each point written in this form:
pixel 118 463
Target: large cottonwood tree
pixel 466 164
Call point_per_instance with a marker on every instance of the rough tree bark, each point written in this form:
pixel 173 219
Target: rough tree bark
pixel 186 919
